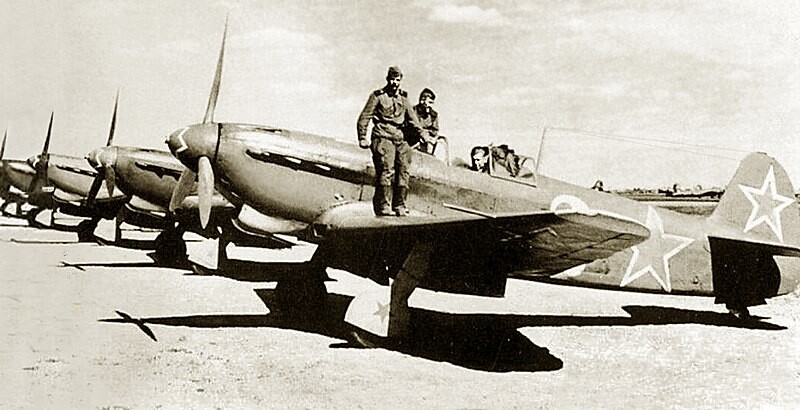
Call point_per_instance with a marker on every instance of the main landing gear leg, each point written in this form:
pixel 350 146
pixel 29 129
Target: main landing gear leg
pixel 224 239
pixel 413 271
pixel 224 264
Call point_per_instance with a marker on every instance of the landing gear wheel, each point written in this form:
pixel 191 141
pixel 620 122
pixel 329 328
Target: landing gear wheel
pixel 741 313
pixel 31 217
pixel 170 248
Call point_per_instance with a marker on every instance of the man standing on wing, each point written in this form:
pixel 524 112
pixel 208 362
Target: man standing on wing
pixel 389 110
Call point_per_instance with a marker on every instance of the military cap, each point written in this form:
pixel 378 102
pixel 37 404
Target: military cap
pixel 428 92
pixel 394 72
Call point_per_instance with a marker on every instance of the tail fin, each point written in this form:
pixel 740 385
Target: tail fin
pixel 759 205
pixel 756 219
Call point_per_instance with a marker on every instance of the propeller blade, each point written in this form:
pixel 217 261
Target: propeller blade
pixel 205 189
pixel 3 147
pixel 212 99
pixel 110 177
pixel 183 189
pixel 41 179
pixel 98 180
pixel 113 122
pixel 49 131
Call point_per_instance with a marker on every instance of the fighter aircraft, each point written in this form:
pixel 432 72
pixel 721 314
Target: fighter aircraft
pixel 149 178
pixel 13 174
pixel 469 232
pixel 62 183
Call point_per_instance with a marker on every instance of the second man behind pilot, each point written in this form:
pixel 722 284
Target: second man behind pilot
pixel 428 119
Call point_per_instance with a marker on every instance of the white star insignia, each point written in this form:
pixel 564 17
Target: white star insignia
pixel 652 256
pixel 767 206
pixel 382 312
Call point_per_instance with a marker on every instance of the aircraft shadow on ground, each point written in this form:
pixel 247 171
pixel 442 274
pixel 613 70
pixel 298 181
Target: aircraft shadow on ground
pixel 485 342
pixel 642 316
pixel 41 242
pixel 140 244
pixel 83 265
pixel 249 271
pixel 20 225
pixel 462 340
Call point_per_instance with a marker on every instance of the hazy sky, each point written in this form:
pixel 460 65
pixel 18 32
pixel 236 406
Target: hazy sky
pixel 721 74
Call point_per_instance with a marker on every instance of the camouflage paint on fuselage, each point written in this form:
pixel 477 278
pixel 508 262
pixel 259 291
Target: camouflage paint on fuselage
pixel 298 176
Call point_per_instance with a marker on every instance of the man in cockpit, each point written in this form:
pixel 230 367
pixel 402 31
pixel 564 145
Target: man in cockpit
pixel 503 156
pixel 480 159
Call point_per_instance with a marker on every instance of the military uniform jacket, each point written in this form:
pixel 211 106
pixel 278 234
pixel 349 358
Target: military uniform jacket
pixel 429 121
pixel 388 114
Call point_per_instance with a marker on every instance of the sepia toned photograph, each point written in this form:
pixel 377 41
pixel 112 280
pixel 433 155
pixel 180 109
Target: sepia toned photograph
pixel 445 204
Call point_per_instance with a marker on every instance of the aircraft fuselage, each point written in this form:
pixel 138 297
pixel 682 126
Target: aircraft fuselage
pixel 297 176
pixel 155 184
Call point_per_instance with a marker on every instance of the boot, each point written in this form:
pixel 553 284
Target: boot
pixel 401 211
pixel 381 201
pixel 399 201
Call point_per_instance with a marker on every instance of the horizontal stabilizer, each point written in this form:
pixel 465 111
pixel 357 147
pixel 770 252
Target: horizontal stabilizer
pixel 762 247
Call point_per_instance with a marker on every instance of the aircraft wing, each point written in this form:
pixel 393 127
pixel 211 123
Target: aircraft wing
pixel 540 241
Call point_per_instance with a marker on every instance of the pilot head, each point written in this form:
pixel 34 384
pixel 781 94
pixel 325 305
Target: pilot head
pixel 480 157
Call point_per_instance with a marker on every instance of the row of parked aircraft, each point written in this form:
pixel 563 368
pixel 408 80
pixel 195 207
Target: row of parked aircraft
pixel 468 232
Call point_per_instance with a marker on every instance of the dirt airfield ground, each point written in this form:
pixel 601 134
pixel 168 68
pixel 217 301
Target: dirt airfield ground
pixel 63 344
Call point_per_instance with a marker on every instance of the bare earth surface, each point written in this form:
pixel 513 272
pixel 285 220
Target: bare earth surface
pixel 63 344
